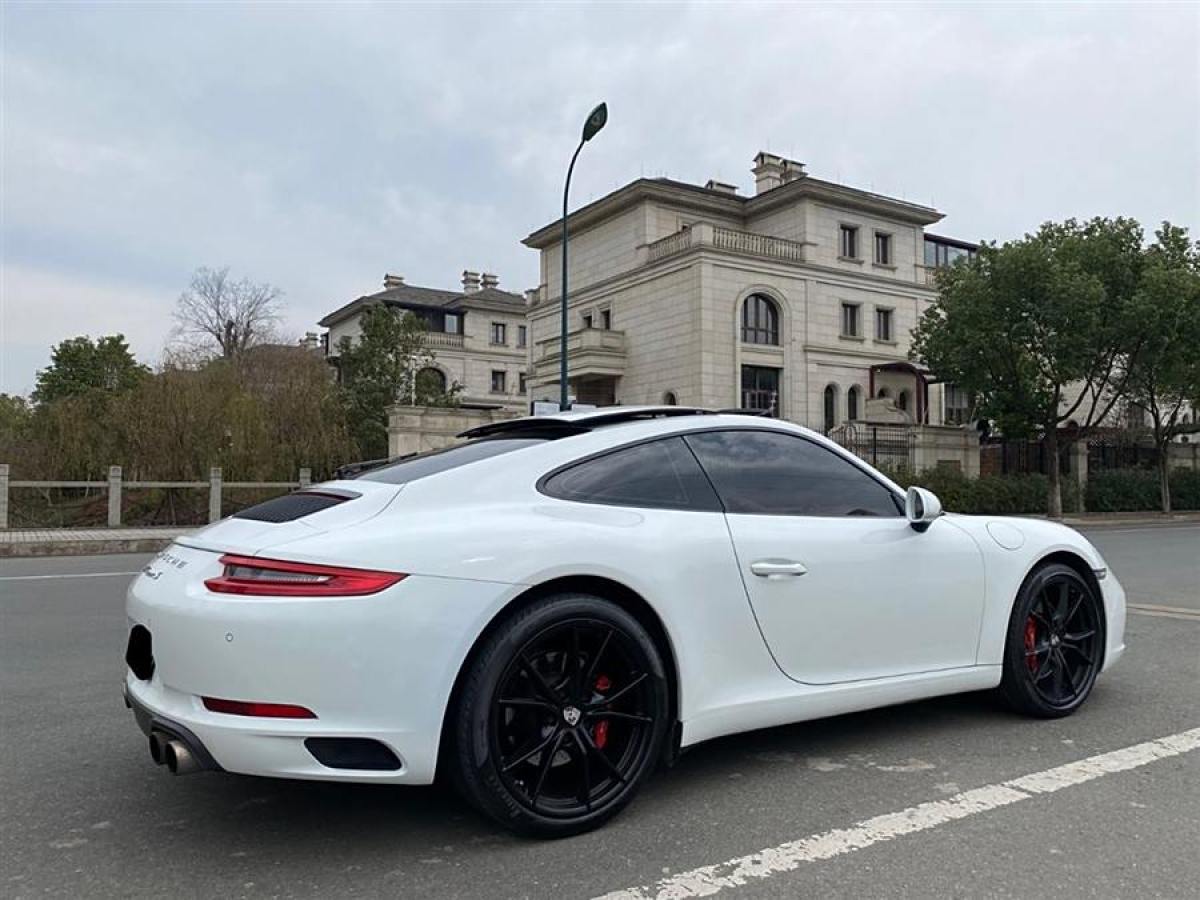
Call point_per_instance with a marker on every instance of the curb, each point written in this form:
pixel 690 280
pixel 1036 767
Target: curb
pixel 83 548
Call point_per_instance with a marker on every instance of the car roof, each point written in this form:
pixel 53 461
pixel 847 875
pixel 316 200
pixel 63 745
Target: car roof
pixel 574 422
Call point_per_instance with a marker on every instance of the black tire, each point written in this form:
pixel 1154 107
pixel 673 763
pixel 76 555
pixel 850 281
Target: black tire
pixel 561 718
pixel 1055 643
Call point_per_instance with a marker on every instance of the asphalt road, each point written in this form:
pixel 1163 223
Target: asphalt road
pixel 84 813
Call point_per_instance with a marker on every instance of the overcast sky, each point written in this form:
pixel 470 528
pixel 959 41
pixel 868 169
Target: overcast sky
pixel 317 147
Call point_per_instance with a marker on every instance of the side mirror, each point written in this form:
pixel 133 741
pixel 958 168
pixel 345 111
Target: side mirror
pixel 921 507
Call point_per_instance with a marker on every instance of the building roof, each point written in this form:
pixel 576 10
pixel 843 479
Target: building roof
pixel 407 296
pixel 722 202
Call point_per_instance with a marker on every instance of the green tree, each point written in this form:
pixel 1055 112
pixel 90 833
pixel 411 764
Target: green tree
pixel 384 367
pixel 81 366
pixel 1165 378
pixel 1043 331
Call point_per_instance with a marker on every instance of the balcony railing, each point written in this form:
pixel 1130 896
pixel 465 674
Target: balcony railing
pixel 746 243
pixel 582 340
pixel 758 244
pixel 927 275
pixel 670 245
pixel 443 339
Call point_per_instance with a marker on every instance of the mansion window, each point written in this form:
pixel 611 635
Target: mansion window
pixel 957 405
pixel 499 333
pixel 883 249
pixel 883 325
pixel 499 381
pixel 852 399
pixel 606 319
pixel 760 321
pixel 850 320
pixel 848 248
pixel 451 324
pixel 829 417
pixel 587 320
pixel 522 335
pixel 760 389
pixel 523 382
pixel 939 254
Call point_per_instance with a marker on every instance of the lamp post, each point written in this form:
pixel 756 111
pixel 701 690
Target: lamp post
pixel 595 121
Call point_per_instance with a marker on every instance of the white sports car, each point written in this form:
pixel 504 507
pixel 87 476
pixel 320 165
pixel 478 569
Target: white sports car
pixel 549 610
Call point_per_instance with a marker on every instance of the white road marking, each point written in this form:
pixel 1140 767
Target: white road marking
pixel 708 880
pixel 1167 612
pixel 76 575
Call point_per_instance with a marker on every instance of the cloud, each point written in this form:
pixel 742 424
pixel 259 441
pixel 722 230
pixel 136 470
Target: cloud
pixel 317 147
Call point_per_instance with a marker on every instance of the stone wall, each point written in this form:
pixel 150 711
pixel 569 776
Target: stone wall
pixel 946 445
pixel 415 429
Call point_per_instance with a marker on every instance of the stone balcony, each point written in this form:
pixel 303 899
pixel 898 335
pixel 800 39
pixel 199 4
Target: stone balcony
pixel 443 340
pixel 729 240
pixel 591 352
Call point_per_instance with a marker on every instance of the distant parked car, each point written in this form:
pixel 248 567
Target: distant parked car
pixel 552 608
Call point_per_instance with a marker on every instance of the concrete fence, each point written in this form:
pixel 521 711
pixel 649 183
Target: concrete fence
pixel 115 484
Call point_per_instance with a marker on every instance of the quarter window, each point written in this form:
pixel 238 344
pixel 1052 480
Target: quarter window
pixel 770 473
pixel 659 474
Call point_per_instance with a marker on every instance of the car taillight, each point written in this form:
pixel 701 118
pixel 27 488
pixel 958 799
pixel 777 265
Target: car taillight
pixel 280 578
pixel 262 710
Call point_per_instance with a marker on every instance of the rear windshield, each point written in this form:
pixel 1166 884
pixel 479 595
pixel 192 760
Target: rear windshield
pixel 411 468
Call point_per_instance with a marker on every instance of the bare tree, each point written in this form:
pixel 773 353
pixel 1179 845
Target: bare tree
pixel 218 313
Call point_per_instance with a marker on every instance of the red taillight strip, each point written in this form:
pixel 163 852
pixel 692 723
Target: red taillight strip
pixel 262 710
pixel 337 581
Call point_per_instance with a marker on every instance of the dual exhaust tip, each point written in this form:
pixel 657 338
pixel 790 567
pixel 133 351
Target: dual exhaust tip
pixel 172 753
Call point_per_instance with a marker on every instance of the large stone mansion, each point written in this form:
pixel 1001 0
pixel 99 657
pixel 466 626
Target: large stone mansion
pixel 798 300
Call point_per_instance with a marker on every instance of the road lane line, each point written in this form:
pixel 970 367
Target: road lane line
pixel 1189 615
pixel 72 575
pixel 708 880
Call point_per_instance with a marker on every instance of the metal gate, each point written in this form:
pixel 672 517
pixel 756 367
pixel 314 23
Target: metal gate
pixel 880 445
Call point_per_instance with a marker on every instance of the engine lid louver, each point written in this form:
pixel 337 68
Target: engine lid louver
pixel 294 506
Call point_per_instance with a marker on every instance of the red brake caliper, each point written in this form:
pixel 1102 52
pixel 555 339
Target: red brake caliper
pixel 600 729
pixel 1031 644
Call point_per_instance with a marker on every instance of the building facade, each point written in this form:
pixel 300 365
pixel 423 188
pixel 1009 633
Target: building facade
pixel 479 336
pixel 798 300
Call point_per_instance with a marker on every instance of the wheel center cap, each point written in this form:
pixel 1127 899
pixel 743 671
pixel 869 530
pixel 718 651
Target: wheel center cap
pixel 571 714
pixel 1055 640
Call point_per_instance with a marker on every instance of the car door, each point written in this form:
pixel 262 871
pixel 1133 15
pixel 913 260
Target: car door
pixel 842 587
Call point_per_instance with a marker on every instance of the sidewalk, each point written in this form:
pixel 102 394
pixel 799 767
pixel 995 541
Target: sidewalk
pixel 85 541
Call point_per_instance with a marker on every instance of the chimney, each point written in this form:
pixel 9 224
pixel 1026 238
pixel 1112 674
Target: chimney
pixel 490 281
pixel 721 187
pixel 392 281
pixel 531 296
pixel 792 171
pixel 768 172
pixel 470 281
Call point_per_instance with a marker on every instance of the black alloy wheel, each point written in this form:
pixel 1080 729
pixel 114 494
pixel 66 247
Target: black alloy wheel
pixel 1055 643
pixel 562 717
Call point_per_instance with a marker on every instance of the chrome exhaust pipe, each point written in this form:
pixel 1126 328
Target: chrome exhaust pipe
pixel 179 758
pixel 158 746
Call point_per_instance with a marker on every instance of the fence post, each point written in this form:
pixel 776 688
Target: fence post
pixel 305 477
pixel 214 494
pixel 114 496
pixel 3 495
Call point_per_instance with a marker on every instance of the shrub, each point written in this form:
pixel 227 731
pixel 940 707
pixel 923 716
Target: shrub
pixel 1136 490
pixel 1005 495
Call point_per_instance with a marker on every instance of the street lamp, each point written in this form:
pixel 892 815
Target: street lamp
pixel 595 121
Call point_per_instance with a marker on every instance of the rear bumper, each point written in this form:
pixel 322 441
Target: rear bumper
pixel 377 669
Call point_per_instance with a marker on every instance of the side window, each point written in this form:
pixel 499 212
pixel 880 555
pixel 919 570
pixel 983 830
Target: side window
pixel 769 473
pixel 660 474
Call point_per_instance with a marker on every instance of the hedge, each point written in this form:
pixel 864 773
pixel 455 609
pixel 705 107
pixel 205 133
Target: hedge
pixel 1117 490
pixel 1134 490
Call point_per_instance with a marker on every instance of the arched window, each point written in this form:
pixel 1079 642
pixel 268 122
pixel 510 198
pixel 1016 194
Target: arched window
pixel 760 320
pixel 883 393
pixel 852 404
pixel 669 399
pixel 830 407
pixel 902 400
pixel 431 382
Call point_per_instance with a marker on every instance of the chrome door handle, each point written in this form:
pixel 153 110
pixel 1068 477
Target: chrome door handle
pixel 777 568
